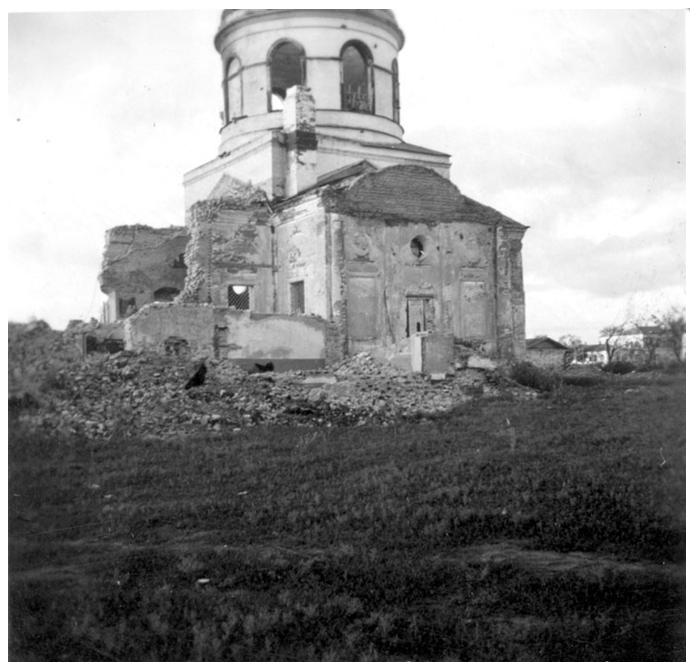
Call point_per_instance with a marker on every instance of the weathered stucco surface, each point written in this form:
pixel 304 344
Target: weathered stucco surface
pixel 378 254
pixel 413 253
pixel 203 330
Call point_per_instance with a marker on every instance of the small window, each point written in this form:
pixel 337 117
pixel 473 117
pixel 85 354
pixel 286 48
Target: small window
pixel 233 90
pixel 297 297
pixel 396 103
pixel 287 69
pixel 126 307
pixel 356 78
pixel 418 247
pixel 238 297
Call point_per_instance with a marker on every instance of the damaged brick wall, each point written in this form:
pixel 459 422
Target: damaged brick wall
pixel 300 230
pixel 138 262
pixel 229 245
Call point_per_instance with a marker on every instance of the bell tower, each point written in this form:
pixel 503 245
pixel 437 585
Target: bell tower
pixel 306 92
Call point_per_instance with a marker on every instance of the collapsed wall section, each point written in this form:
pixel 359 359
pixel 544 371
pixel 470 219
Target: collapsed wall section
pixel 229 254
pixel 141 264
pixel 206 331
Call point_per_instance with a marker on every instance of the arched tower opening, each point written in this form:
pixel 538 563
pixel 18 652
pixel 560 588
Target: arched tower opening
pixel 396 100
pixel 357 78
pixel 286 68
pixel 233 90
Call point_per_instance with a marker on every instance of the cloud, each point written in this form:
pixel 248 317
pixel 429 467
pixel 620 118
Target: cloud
pixel 614 267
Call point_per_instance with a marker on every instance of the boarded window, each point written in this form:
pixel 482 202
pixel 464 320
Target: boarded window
pixel 297 297
pixel 233 90
pixel 363 308
pixel 474 310
pixel 356 78
pixel 238 297
pixel 418 314
pixel 287 65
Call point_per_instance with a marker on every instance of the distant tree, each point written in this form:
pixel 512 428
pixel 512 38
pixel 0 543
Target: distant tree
pixel 576 352
pixel 609 335
pixel 571 341
pixel 673 325
pixel 650 345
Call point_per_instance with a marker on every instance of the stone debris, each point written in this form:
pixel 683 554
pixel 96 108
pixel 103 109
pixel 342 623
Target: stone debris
pixel 143 394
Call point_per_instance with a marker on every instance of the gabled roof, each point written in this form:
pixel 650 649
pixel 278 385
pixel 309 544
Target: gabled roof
pixel 544 343
pixel 407 192
pixel 344 172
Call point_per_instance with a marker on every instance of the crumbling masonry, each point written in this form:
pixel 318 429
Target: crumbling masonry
pixel 318 232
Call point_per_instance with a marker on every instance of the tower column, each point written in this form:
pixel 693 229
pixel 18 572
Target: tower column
pixel 299 126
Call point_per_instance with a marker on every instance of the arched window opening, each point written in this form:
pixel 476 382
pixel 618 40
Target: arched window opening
pixel 165 294
pixel 233 90
pixel 396 102
pixel 356 79
pixel 287 69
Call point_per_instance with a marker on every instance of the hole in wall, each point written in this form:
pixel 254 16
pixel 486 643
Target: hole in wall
pixel 418 247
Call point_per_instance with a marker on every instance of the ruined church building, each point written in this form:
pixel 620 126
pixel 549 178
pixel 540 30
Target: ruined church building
pixel 317 232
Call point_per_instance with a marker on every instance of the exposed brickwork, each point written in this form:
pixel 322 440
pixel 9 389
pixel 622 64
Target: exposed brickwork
pixel 139 260
pixel 410 193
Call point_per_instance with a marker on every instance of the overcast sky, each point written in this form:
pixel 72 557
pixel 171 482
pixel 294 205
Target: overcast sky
pixel 571 122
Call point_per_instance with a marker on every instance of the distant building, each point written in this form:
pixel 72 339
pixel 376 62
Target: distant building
pixel 546 352
pixel 591 355
pixel 644 345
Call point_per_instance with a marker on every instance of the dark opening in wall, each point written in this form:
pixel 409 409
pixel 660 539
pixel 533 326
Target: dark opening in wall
pixel 357 85
pixel 126 307
pixel 297 297
pixel 418 314
pixel 165 294
pixel 238 297
pixel 174 345
pixel 179 262
pixel 287 66
pixel 418 247
pixel 110 345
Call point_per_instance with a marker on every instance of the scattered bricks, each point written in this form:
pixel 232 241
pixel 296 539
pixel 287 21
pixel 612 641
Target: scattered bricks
pixel 142 394
pixel 478 362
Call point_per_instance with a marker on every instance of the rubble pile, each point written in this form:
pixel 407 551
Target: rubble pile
pixel 129 394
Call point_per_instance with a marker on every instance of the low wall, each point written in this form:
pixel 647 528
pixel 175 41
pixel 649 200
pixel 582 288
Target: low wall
pixel 547 359
pixel 199 330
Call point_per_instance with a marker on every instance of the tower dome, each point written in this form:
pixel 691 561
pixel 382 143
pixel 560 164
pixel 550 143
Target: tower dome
pixel 383 16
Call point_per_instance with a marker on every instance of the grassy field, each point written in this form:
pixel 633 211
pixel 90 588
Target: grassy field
pixel 539 530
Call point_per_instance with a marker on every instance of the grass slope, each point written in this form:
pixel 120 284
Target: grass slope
pixel 546 530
